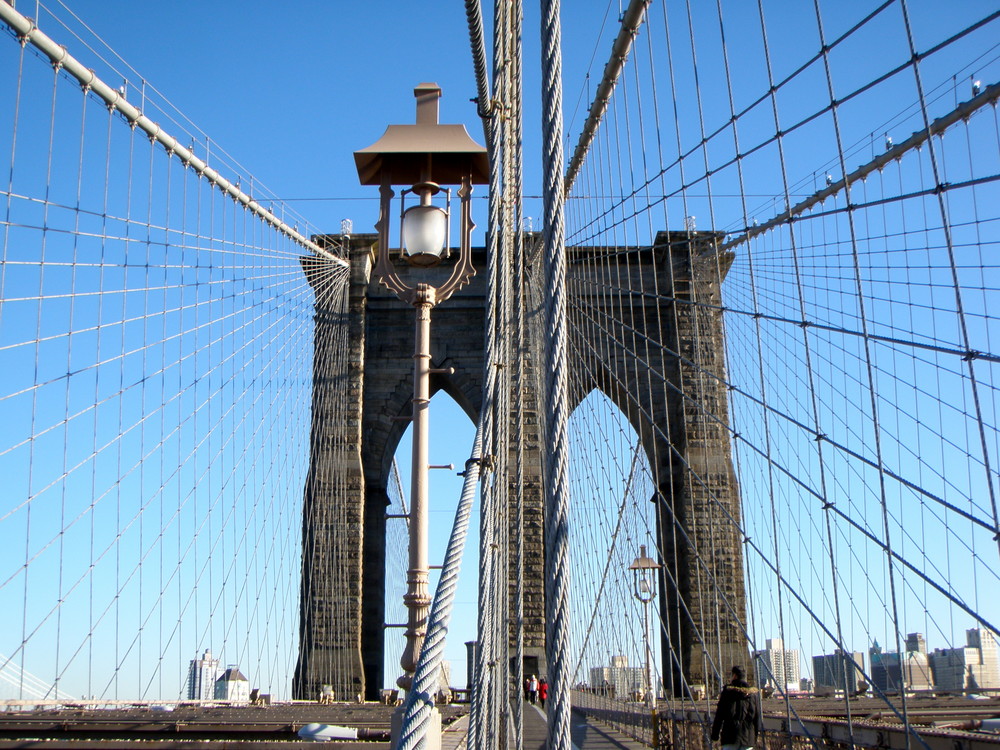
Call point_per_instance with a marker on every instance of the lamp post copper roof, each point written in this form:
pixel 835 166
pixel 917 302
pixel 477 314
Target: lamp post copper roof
pixel 424 155
pixel 411 154
pixel 643 562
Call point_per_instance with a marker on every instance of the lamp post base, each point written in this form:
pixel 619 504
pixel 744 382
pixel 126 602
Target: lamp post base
pixel 433 739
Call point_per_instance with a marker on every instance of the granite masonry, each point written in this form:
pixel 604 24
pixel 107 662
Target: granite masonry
pixel 657 352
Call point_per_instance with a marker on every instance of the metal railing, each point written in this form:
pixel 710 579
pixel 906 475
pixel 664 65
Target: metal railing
pixel 690 729
pixel 631 718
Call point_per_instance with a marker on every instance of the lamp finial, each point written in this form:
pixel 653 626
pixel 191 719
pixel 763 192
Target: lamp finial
pixel 427 95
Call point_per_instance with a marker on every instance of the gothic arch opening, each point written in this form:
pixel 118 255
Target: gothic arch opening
pixel 611 521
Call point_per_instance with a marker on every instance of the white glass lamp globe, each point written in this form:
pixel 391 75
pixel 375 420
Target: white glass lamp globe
pixel 424 231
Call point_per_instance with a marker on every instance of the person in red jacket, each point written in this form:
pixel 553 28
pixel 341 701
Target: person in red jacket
pixel 543 691
pixel 737 717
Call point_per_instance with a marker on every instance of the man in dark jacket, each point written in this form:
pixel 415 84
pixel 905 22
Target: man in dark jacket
pixel 737 717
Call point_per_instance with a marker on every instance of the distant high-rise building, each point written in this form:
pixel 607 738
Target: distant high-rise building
pixel 834 671
pixel 232 686
pixel 892 672
pixel 915 642
pixel 620 679
pixel 202 674
pixel 777 666
pixel 976 666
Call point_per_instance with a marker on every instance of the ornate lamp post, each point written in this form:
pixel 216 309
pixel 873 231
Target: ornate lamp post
pixel 644 589
pixel 424 157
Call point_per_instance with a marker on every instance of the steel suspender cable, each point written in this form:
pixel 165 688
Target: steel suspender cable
pixel 557 572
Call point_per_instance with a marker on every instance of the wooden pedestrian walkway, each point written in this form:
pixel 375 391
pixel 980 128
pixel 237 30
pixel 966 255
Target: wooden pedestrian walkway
pixel 586 735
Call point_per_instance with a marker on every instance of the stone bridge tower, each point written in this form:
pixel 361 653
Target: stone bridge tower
pixel 676 404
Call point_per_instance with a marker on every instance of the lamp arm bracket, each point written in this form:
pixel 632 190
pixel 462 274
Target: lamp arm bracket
pixel 384 271
pixel 464 270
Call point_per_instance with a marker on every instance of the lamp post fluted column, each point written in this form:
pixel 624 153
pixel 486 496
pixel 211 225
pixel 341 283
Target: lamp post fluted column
pixel 650 684
pixel 417 598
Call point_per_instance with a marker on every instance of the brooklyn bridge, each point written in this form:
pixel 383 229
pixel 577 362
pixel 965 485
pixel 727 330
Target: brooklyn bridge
pixel 658 342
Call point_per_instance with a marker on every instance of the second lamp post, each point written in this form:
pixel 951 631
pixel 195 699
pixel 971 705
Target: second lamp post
pixel 644 588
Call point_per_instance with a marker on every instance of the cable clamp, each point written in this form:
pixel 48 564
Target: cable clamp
pixel 474 461
pixel 971 355
pixel 484 112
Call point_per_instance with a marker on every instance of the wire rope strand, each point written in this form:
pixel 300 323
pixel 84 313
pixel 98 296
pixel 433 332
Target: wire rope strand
pixel 556 487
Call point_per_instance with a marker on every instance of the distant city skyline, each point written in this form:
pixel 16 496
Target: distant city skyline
pixel 974 665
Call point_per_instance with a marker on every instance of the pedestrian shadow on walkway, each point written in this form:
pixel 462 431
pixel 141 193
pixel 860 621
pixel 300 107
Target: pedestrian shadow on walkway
pixel 587 736
pixel 584 735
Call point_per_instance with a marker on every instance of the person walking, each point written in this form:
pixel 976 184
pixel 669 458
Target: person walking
pixel 532 689
pixel 737 717
pixel 543 691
